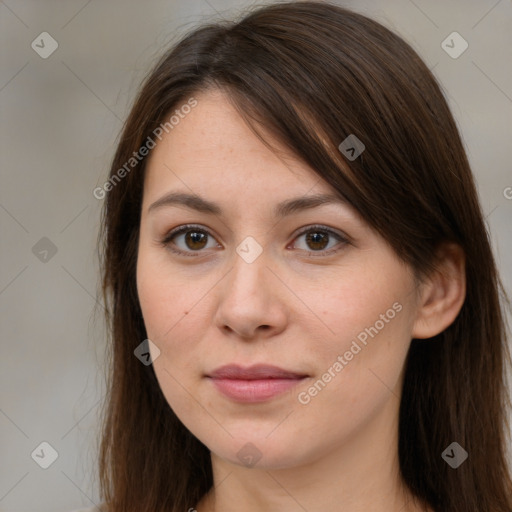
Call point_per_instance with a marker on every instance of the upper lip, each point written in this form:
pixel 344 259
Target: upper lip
pixel 255 372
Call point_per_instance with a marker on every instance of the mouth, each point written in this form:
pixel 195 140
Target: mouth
pixel 257 383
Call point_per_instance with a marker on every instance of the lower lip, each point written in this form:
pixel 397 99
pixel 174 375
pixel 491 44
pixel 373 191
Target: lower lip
pixel 254 390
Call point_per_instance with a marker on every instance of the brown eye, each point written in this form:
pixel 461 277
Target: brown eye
pixel 195 240
pixel 321 240
pixel 191 240
pixel 187 240
pixel 317 240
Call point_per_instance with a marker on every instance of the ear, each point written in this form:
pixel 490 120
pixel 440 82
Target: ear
pixel 442 294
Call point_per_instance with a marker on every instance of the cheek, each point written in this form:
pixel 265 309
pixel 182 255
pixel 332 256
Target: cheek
pixel 355 380
pixel 356 300
pixel 164 296
pixel 172 309
pixel 165 309
pixel 368 314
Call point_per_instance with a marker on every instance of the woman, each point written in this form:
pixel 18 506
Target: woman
pixel 304 307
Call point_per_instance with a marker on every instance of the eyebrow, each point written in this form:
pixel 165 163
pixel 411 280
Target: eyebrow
pixel 283 209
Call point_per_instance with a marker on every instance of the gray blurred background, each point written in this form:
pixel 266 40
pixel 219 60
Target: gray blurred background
pixel 61 113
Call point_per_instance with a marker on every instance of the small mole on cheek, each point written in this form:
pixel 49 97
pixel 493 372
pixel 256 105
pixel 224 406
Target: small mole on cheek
pixel 186 312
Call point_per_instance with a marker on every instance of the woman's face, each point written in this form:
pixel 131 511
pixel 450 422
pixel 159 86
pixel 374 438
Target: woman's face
pixel 267 277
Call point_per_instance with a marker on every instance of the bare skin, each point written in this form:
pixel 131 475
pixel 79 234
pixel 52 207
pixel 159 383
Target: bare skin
pixel 298 305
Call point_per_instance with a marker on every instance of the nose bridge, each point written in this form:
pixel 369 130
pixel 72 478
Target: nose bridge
pixel 248 276
pixel 248 299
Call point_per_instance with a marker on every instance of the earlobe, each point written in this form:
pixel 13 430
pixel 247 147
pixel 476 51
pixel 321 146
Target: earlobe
pixel 442 294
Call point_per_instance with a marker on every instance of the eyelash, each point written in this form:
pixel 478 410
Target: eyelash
pixel 166 241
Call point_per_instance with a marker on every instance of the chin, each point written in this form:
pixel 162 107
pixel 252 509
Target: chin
pixel 256 452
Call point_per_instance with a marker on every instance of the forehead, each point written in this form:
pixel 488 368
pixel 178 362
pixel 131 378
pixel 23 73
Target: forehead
pixel 212 148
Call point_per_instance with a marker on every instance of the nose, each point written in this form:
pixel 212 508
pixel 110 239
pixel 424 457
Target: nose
pixel 252 300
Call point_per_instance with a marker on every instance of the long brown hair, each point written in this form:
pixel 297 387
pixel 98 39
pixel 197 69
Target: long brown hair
pixel 312 74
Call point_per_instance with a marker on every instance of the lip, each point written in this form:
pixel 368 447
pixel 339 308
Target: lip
pixel 257 383
pixel 254 372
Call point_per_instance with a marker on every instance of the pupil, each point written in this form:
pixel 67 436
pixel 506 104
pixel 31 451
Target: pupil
pixel 317 238
pixel 194 237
